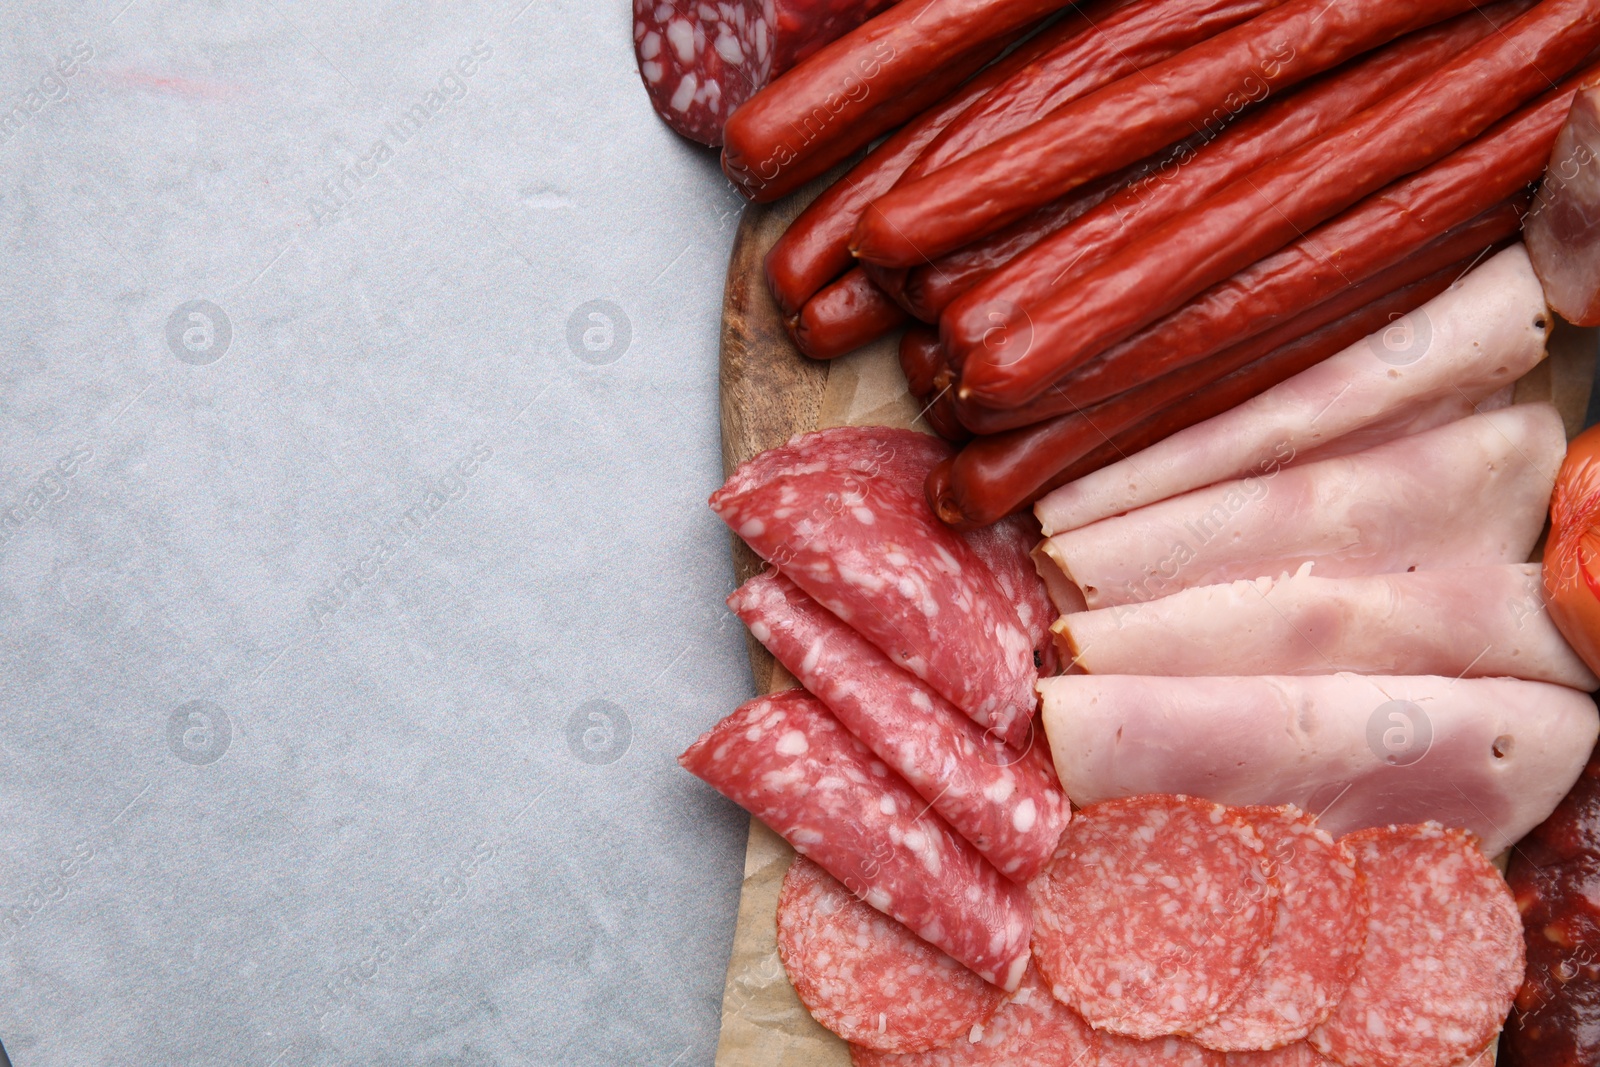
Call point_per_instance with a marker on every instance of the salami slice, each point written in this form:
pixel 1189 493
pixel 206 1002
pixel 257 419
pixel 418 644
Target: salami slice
pixel 905 458
pixel 1032 1029
pixel 700 59
pixel 1173 1051
pixel 1316 940
pixel 787 760
pixel 864 549
pixel 1008 804
pixel 1154 915
pixel 1444 952
pixel 866 977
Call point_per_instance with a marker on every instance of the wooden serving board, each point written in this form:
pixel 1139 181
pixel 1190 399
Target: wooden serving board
pixel 771 392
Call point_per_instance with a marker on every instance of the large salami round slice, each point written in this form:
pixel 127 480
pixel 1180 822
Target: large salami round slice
pixel 1316 942
pixel 866 977
pixel 700 59
pixel 1032 1029
pixel 1154 915
pixel 1443 958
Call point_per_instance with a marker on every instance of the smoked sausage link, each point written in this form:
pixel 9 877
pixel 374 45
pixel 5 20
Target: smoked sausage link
pixel 883 73
pixel 1128 120
pixel 1197 170
pixel 1263 211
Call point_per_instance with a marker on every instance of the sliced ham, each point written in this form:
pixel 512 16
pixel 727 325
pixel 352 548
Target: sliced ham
pixel 1472 493
pixel 1491 755
pixel 1478 336
pixel 1480 622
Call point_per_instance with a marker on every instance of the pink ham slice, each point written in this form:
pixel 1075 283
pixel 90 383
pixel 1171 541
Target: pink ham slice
pixel 1493 755
pixel 1480 335
pixel 1006 802
pixel 1479 622
pixel 786 760
pixel 1472 493
pixel 700 59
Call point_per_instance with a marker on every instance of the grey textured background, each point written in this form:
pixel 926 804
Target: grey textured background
pixel 308 592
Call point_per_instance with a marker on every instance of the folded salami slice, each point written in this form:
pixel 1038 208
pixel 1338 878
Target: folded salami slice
pixel 1477 337
pixel 905 458
pixel 1494 755
pixel 1115 1051
pixel 787 760
pixel 701 60
pixel 1032 1029
pixel 1316 940
pixel 1472 621
pixel 1007 803
pixel 866 977
pixel 1472 493
pixel 864 549
pixel 1154 915
pixel 1444 953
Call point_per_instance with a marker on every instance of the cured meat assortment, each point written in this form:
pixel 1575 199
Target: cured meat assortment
pixel 789 762
pixel 1233 536
pixel 866 550
pixel 1440 919
pixel 866 977
pixel 1006 803
pixel 1155 914
pixel 699 61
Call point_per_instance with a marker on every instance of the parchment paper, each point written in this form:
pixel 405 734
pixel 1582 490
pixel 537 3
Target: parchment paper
pixel 763 1022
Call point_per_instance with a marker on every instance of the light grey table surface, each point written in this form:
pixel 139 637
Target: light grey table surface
pixel 358 408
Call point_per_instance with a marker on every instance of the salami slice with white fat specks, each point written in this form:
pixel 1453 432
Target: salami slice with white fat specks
pixel 1114 1051
pixel 1298 1054
pixel 905 458
pixel 862 547
pixel 1444 953
pixel 866 977
pixel 1008 804
pixel 785 759
pixel 1032 1029
pixel 700 59
pixel 1316 942
pixel 1154 915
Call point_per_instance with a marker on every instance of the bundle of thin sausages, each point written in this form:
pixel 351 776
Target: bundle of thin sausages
pixel 1143 212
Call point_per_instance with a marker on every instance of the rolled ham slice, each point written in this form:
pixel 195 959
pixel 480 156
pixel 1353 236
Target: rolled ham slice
pixel 1491 755
pixel 1480 622
pixel 1476 337
pixel 1472 493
